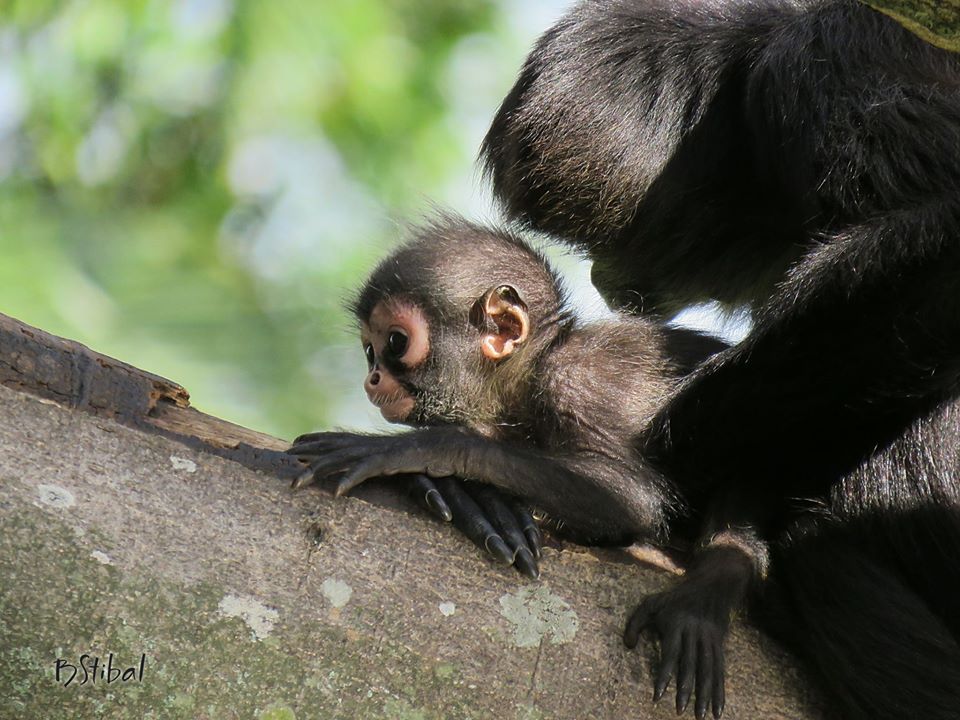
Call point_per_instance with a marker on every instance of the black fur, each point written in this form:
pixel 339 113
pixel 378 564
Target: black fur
pixel 801 158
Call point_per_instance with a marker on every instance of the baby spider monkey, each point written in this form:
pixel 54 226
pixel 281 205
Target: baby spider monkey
pixel 469 339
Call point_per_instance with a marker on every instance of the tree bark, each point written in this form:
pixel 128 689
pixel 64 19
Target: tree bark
pixel 207 589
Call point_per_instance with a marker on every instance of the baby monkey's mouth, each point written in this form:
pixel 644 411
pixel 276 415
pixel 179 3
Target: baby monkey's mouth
pixel 394 406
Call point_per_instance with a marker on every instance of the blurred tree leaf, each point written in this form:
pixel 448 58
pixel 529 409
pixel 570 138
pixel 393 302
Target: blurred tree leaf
pixel 191 185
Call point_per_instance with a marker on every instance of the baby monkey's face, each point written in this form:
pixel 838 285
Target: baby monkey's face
pixel 396 341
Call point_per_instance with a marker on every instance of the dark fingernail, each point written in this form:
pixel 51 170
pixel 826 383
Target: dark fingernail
pixel 718 711
pixel 658 692
pixel 533 539
pixel 436 503
pixel 524 560
pixel 498 548
pixel 302 480
pixel 683 699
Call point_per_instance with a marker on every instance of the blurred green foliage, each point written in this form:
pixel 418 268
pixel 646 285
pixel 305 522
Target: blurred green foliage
pixel 191 185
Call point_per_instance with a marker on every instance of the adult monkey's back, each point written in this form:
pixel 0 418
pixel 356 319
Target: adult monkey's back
pixel 803 159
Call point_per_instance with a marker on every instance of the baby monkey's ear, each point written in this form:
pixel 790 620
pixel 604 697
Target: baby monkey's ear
pixel 501 316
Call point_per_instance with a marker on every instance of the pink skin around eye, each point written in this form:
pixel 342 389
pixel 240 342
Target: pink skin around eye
pixel 382 387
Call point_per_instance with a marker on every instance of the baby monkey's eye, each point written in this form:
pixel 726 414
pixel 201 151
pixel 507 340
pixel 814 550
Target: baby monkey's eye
pixel 368 351
pixel 397 343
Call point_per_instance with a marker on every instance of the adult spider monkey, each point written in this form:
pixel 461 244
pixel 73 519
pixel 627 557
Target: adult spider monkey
pixel 801 158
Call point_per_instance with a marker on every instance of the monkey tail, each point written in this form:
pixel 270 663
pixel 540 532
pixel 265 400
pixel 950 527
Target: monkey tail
pixel 880 652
